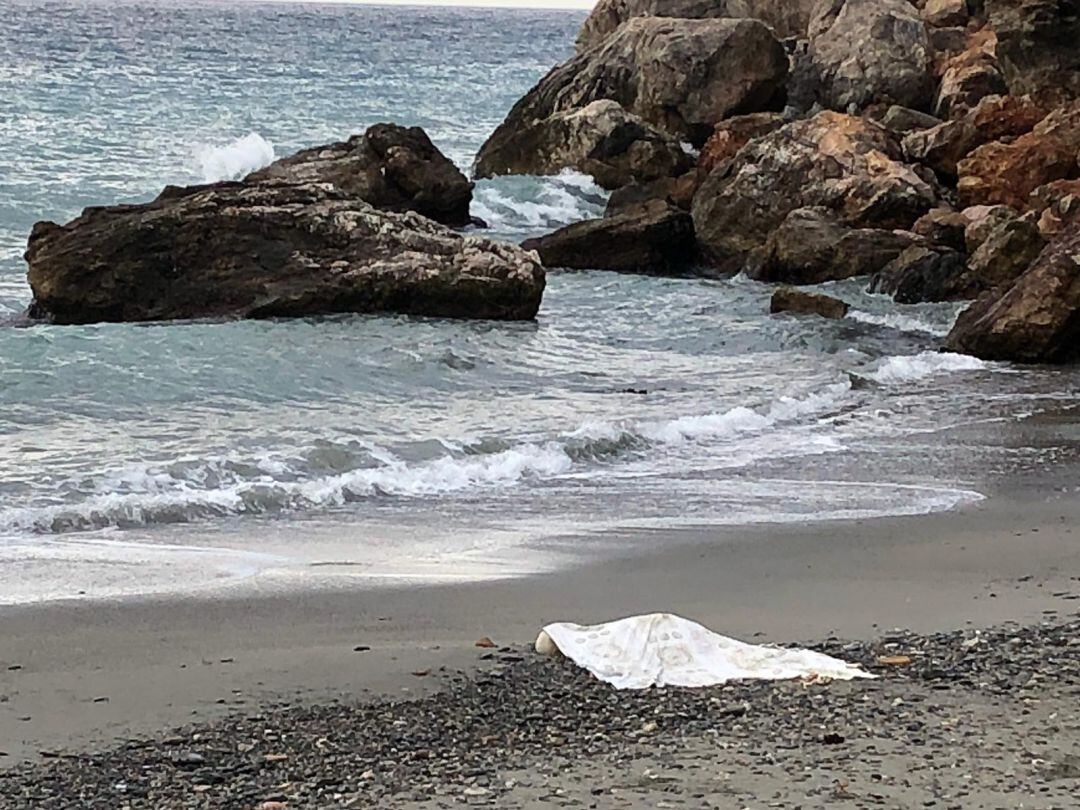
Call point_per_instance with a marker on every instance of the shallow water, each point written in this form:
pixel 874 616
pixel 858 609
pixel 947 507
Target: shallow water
pixel 141 457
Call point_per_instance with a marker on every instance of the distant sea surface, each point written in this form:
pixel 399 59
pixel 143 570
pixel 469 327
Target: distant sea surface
pixel 143 458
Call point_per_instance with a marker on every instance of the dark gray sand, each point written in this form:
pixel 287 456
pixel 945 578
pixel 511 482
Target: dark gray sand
pixel 987 723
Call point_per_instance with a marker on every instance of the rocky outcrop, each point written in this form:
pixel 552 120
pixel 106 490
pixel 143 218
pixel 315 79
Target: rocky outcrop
pixel 267 249
pixel 733 134
pixel 1007 172
pixel 846 164
pixel 1037 46
pixel 943 146
pixel 681 76
pixel 810 246
pixel 653 237
pixel 787 18
pixel 920 274
pixel 870 51
pixel 1037 318
pixel 800 302
pixel 601 139
pixel 392 167
pixel 970 76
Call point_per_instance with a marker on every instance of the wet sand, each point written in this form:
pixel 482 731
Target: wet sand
pixel 81 676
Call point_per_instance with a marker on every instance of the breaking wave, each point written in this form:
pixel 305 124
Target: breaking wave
pixel 235 160
pixel 908 368
pixel 526 205
pixel 333 475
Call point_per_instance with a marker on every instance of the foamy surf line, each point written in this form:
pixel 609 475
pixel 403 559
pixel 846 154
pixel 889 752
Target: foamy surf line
pixel 273 484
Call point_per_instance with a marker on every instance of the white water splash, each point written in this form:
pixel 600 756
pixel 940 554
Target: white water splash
pixel 235 160
pixel 908 368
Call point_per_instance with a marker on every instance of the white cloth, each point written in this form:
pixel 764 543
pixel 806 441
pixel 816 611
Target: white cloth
pixel 661 649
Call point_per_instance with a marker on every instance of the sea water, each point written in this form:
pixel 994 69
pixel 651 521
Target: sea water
pixel 141 458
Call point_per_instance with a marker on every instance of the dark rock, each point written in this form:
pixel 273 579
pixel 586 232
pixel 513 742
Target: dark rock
pixel 267 249
pixel 1006 253
pixel 1036 319
pixel 679 75
pixel 788 299
pixel 948 42
pixel 902 120
pixel 920 274
pixel 733 134
pixel 969 77
pixel 871 51
pixel 810 246
pixel 392 167
pixel 601 139
pixel 982 221
pixel 1037 46
pixel 678 191
pixel 787 18
pixel 653 238
pixel 943 226
pixel 849 165
pixel 945 13
pixel 1056 204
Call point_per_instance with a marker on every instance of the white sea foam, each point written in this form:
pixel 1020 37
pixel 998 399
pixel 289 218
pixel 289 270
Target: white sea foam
pixel 534 203
pixel 193 489
pixel 234 160
pixel 898 320
pixel 908 368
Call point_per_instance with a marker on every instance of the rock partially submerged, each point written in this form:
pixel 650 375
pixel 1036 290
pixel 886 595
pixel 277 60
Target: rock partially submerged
pixel 800 302
pixel 392 167
pixel 1037 318
pixel 848 165
pixel 266 249
pixel 681 76
pixel 602 139
pixel 654 237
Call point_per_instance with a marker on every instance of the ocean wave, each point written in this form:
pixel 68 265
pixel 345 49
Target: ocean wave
pixel 332 475
pixel 527 203
pixel 909 368
pixel 900 321
pixel 235 160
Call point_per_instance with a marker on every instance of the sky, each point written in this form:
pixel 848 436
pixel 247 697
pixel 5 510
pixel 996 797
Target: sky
pixel 576 4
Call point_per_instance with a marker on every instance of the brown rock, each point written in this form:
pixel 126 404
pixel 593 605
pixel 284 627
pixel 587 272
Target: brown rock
pixel 1056 204
pixel 903 120
pixel 1006 253
pixel 1036 319
pixel 788 299
pixel 392 167
pixel 849 165
pixel 270 249
pixel 968 78
pixel 677 191
pixel 1007 173
pixel 870 51
pixel 982 221
pixel 733 134
pixel 810 246
pixel 945 13
pixel 787 18
pixel 681 76
pixel 653 238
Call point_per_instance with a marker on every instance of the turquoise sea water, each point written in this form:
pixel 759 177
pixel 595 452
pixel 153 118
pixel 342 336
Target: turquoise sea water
pixel 141 457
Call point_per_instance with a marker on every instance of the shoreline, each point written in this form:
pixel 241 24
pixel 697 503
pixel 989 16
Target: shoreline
pixel 78 676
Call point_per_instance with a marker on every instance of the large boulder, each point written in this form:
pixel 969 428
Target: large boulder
pixel 679 75
pixel 846 164
pixel 1036 319
pixel 920 274
pixel 969 76
pixel 1039 46
pixel 787 18
pixel 392 167
pixel 601 139
pixel 267 249
pixel 653 237
pixel 1006 252
pixel 733 134
pixel 810 246
pixel 871 51
pixel 1007 172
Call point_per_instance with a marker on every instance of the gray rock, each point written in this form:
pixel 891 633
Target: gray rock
pixel 920 274
pixel 871 51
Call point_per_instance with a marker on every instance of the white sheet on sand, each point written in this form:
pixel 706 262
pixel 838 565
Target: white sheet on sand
pixel 661 649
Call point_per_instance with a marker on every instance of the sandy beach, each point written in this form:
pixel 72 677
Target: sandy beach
pixel 83 678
